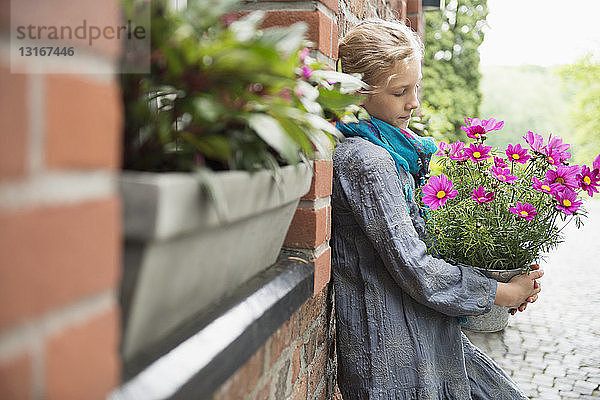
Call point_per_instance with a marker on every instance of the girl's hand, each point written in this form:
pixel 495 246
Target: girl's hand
pixel 520 290
pixel 531 299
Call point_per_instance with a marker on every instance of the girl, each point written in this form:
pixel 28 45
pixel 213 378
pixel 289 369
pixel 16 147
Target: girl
pixel 398 334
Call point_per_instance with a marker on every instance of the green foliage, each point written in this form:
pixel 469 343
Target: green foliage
pixel 488 235
pixel 525 96
pixel 582 79
pixel 228 96
pixel 450 74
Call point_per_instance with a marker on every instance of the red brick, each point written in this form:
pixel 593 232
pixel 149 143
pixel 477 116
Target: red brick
pixel 282 338
pixel 320 27
pixel 414 7
pixel 417 24
pixel 321 185
pixel 55 255
pixel 244 380
pixel 14 117
pixel 83 121
pixel 82 362
pixel 402 10
pixel 322 271
pixel 357 7
pixel 331 4
pixel 264 392
pixel 15 378
pixel 311 310
pixel 308 229
pixel 296 365
pixel 317 371
pixel 300 390
pixel 72 13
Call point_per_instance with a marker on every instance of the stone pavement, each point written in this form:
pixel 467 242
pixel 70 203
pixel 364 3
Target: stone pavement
pixel 552 349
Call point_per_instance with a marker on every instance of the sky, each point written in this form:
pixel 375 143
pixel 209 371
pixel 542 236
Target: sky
pixel 540 32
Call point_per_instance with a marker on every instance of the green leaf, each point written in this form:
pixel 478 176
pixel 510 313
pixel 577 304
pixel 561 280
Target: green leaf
pixel 212 146
pixel 269 129
pixel 335 100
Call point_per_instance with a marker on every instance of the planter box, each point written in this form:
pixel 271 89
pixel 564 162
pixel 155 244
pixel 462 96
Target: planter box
pixel 185 250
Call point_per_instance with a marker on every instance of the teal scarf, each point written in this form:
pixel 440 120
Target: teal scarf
pixel 409 151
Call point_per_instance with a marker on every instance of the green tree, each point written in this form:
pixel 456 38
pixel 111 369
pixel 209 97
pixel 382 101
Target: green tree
pixel 451 67
pixel 582 79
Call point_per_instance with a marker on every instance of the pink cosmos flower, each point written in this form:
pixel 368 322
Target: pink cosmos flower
pixel 596 163
pixel 588 180
pixel 478 152
pixel 567 201
pixel 556 157
pixel 476 127
pixel 503 175
pixel 566 175
pixel 438 191
pixel 443 149
pixel 556 150
pixel 306 71
pixel 499 162
pixel 545 186
pixel 524 210
pixel 535 141
pixel 517 154
pixel 457 152
pixel 481 196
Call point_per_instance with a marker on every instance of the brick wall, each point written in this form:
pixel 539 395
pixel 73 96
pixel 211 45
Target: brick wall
pixel 298 361
pixel 59 222
pixel 295 363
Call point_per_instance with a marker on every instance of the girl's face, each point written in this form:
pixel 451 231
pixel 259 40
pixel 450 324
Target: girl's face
pixel 395 102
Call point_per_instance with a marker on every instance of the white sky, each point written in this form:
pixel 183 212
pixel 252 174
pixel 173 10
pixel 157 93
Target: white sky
pixel 540 32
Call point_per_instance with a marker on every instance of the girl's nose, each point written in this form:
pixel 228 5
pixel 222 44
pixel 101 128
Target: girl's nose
pixel 413 102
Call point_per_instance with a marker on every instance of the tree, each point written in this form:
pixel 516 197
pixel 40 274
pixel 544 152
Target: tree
pixel 583 79
pixel 451 67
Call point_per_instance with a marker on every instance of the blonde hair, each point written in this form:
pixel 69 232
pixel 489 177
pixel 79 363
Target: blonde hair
pixel 374 46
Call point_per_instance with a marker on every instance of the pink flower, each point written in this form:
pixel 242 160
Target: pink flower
pixel 303 54
pixel 517 154
pixel 478 152
pixel 596 163
pixel 443 149
pixel 545 186
pixel 556 150
pixel 588 180
pixel 306 71
pixel 524 210
pixel 565 175
pixel 567 201
pixel 481 196
pixel 438 191
pixel 476 127
pixel 503 175
pixel 457 152
pixel 499 162
pixel 535 141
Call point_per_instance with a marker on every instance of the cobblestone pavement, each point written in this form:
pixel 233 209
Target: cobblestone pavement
pixel 552 349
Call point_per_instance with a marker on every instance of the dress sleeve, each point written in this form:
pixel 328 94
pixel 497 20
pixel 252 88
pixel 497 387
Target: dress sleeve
pixel 377 201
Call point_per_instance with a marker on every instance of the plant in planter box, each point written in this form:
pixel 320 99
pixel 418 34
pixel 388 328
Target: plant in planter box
pixel 501 211
pixel 224 102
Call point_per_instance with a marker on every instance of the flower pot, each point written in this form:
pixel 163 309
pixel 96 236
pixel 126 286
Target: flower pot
pixel 185 250
pixel 497 319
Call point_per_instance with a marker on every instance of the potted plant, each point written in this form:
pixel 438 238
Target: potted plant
pixel 500 212
pixel 217 143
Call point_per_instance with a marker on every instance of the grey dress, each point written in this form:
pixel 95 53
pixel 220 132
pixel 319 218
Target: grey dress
pixel 398 335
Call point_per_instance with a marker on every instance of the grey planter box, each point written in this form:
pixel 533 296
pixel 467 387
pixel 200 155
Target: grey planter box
pixel 183 252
